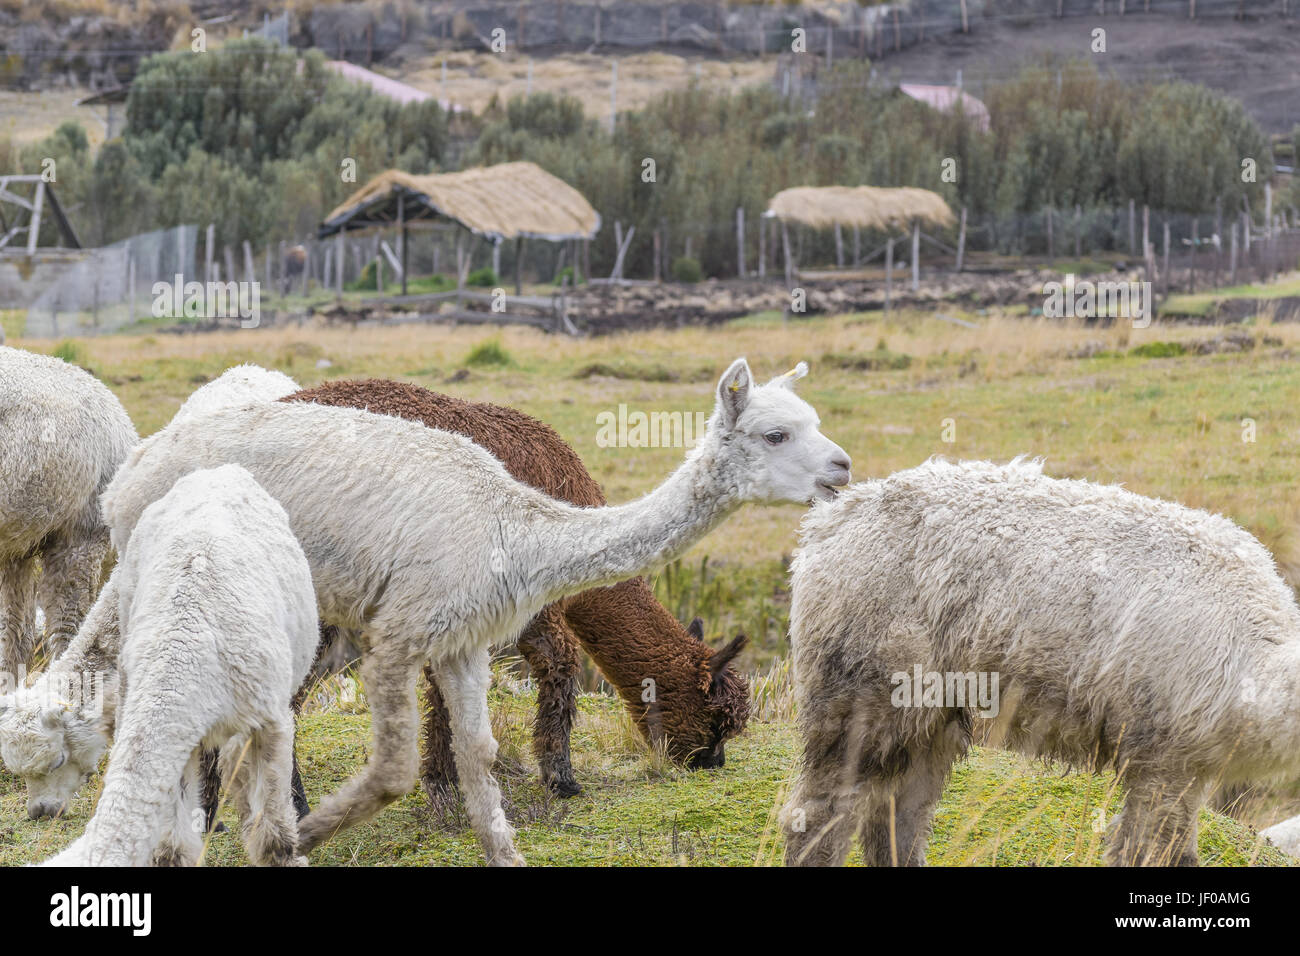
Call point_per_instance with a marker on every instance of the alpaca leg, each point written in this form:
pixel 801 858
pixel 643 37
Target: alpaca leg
pixel 18 604
pixel 1158 826
pixel 896 815
pixel 552 652
pixel 818 817
pixel 464 682
pixel 71 569
pixel 438 765
pixel 210 790
pixel 389 672
pixel 261 786
pixel 182 836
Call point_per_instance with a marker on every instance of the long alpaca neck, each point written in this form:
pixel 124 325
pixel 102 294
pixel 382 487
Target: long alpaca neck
pixel 586 548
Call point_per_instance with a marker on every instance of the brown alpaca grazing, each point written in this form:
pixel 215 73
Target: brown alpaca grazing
pixel 698 702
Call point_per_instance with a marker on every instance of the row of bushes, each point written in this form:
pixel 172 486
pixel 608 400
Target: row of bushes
pixel 258 141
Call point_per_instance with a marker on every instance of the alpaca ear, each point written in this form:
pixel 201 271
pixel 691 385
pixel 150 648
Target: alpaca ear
pixel 51 717
pixel 787 379
pixel 696 629
pixel 733 391
pixel 724 656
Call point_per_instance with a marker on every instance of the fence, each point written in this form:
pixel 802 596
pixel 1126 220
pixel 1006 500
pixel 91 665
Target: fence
pixel 112 286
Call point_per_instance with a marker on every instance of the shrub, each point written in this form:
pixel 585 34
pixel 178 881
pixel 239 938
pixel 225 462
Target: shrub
pixel 484 277
pixel 490 352
pixel 687 269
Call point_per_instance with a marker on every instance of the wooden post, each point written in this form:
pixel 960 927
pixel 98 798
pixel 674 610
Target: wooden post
pixel 961 240
pixel 329 262
pixel 306 266
pixel 228 255
pixel 248 263
pixel 281 274
pixel 1268 210
pixel 379 266
pixel 1232 258
pixel 740 241
pixel 1191 258
pixel 1146 228
pixel 762 249
pixel 1078 231
pixel 496 258
pixel 857 246
pixel 340 258
pixel 401 233
pixel 208 251
pixel 1132 228
pixel 789 264
pixel 839 247
pixel 34 225
pixel 1165 270
pixel 586 260
pixel 916 254
pixel 270 276
pixel 1051 246
pixel 889 272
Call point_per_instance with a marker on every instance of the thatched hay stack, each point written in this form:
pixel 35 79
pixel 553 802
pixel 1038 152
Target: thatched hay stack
pixel 868 207
pixel 507 201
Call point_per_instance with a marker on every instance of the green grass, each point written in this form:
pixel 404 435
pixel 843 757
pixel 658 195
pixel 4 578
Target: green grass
pixel 1135 411
pixel 999 808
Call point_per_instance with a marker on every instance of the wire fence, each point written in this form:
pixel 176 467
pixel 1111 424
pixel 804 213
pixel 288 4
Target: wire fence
pixel 184 275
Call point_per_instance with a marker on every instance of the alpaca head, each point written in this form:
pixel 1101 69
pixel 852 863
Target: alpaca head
pixel 772 436
pixel 726 706
pixel 53 748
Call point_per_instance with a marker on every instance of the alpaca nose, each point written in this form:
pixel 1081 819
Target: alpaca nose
pixel 841 462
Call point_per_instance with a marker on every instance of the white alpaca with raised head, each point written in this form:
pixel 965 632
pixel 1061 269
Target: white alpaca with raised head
pixel 429 548
pixel 218 630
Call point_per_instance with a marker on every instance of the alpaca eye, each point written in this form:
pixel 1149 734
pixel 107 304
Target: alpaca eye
pixel 62 759
pixel 775 438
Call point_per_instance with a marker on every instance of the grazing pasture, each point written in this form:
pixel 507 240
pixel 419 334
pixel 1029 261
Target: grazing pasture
pixel 1185 413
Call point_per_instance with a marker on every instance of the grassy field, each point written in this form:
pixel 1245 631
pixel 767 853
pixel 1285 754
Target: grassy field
pixel 1220 431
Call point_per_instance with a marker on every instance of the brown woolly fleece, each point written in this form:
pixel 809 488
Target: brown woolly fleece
pixel 697 700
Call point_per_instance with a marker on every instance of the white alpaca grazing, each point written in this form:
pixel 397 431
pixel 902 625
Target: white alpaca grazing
pixel 424 543
pixel 54 733
pixel 62 436
pixel 219 629
pixel 1125 632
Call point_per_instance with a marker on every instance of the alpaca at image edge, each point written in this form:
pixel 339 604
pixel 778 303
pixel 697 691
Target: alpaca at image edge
pixel 62 436
pixel 1127 632
pixel 700 699
pixel 219 628
pixel 428 547
pixel 53 747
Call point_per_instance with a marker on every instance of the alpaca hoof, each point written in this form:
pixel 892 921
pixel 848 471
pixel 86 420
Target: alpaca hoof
pixel 564 787
pixel 507 859
pixel 219 827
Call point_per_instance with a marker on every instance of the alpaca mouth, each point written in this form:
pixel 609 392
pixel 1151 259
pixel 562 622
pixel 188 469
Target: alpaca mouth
pixel 826 491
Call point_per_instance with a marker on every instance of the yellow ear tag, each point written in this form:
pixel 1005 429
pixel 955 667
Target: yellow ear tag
pixel 735 386
pixel 791 373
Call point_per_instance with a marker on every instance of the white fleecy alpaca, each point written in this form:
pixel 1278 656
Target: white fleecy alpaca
pixel 423 542
pixel 53 733
pixel 219 629
pixel 1123 631
pixel 1285 836
pixel 62 436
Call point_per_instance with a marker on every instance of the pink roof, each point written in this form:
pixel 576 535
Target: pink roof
pixel 393 89
pixel 944 98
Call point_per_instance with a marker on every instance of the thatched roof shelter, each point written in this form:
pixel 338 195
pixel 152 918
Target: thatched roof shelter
pixel 867 207
pixel 507 201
